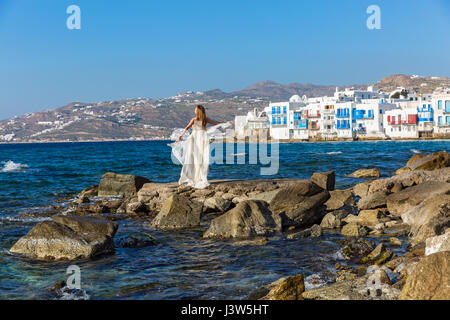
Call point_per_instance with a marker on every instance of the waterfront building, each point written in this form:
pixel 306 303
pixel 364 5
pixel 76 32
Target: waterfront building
pixel 352 113
pixel 281 118
pixel 344 119
pixel 441 105
pixel 254 124
pixel 425 119
pixel 401 123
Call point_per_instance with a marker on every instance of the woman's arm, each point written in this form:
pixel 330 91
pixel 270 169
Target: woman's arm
pixel 190 124
pixel 208 120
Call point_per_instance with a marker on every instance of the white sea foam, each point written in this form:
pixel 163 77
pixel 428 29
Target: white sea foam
pixel 314 281
pixel 73 294
pixel 11 166
pixel 415 151
pixel 335 152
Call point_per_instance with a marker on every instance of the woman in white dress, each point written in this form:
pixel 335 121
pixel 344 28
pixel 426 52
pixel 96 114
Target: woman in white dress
pixel 196 151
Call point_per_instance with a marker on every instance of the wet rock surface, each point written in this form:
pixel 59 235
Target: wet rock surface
pixel 68 238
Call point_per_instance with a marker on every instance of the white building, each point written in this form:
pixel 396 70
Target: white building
pixel 441 106
pixel 401 123
pixel 255 123
pixel 280 120
pixel 352 114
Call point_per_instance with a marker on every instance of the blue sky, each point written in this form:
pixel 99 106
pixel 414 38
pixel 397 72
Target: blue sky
pixel 147 48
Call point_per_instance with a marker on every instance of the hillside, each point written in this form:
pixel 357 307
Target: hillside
pixel 147 119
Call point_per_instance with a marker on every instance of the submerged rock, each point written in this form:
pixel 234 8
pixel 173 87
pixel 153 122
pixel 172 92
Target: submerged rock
pixel 120 185
pixel 249 218
pixel 68 238
pixel 136 240
pixel 366 173
pixel 178 212
pixel 429 279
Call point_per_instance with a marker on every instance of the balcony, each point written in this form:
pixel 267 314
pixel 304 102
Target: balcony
pixel 361 114
pixel 312 115
pixel 342 113
pixel 301 124
pixel 343 125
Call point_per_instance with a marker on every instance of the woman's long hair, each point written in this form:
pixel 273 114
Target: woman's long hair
pixel 200 115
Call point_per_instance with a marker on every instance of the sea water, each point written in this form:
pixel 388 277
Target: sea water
pixel 182 265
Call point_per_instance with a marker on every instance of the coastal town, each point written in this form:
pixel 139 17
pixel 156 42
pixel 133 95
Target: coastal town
pixel 352 114
pixel 396 107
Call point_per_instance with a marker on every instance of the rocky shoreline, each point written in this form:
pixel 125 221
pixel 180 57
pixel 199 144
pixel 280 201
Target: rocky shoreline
pixel 414 205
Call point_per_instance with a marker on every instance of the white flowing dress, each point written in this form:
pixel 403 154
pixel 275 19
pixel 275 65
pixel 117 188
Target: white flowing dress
pixel 196 158
pixel 194 153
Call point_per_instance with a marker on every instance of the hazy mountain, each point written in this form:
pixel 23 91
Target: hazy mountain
pixel 145 118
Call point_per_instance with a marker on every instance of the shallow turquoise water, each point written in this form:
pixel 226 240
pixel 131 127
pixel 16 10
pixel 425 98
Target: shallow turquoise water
pixel 182 265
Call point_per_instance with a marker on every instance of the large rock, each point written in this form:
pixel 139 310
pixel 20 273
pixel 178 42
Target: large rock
pixel 400 202
pixel 267 196
pixel 438 243
pixel 430 279
pixel 287 289
pixel 249 218
pixel 437 160
pixel 120 185
pixel 85 225
pixel 178 212
pixel 430 218
pixel 366 173
pixel 373 200
pixel 68 238
pixel 339 199
pixel 325 180
pixel 404 180
pixel 302 203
